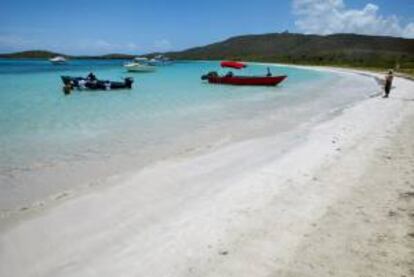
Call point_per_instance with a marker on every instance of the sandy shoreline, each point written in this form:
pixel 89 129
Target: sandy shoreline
pixel 340 203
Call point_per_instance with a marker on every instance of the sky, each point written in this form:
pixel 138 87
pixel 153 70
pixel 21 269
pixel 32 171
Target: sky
pixel 88 27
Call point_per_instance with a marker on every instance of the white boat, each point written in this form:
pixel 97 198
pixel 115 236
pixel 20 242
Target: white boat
pixel 160 60
pixel 141 59
pixel 58 60
pixel 139 65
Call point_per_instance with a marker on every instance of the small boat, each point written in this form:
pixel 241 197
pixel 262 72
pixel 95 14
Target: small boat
pixel 140 65
pixel 58 60
pixel 160 60
pixel 141 59
pixel 214 78
pixel 230 79
pixel 91 83
pixel 231 64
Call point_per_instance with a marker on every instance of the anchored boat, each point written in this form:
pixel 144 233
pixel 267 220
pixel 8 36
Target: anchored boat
pixel 58 60
pixel 160 60
pixel 231 79
pixel 91 83
pixel 140 65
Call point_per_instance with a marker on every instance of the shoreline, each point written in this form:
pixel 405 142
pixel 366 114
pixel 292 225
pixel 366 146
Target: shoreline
pixel 215 213
pixel 38 183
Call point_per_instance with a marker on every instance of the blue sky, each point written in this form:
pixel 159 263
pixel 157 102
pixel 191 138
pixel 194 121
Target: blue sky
pixel 96 27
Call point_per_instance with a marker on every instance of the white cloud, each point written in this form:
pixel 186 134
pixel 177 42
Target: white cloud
pixel 162 45
pixel 132 46
pixel 409 31
pixel 332 16
pixel 102 45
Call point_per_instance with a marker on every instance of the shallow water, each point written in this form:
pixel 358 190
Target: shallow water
pixel 50 142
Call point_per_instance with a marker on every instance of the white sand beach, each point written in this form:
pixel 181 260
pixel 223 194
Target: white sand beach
pixel 340 203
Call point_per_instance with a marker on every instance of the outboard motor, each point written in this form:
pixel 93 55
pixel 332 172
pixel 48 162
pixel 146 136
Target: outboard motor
pixel 128 82
pixel 209 75
pixel 67 88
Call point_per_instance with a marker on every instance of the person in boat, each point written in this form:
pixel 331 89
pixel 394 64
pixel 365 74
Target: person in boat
pixel 91 77
pixel 82 84
pixel 388 83
pixel 269 74
pixel 230 74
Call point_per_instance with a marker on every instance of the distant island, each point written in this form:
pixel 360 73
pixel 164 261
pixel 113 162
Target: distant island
pixel 43 54
pixel 337 50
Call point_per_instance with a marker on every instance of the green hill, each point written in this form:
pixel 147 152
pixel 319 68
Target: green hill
pixel 338 49
pixel 116 56
pixel 32 54
pixel 43 54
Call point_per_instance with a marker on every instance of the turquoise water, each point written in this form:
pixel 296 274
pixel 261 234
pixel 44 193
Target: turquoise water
pixel 50 141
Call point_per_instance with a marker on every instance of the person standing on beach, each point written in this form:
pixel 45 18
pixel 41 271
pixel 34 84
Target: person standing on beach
pixel 388 83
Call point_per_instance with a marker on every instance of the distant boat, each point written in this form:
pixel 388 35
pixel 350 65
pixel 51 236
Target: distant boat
pixel 140 65
pixel 231 79
pixel 160 60
pixel 141 59
pixel 58 60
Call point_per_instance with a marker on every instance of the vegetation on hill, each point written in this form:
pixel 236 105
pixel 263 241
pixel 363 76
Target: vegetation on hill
pixel 32 54
pixel 108 57
pixel 42 54
pixel 339 49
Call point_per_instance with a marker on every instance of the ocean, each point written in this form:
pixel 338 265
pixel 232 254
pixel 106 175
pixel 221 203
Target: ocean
pixel 51 143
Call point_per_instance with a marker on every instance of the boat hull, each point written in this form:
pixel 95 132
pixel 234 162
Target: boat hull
pixel 84 83
pixel 58 60
pixel 139 67
pixel 159 62
pixel 58 63
pixel 246 80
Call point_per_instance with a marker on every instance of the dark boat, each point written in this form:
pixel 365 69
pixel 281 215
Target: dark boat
pixel 230 79
pixel 94 84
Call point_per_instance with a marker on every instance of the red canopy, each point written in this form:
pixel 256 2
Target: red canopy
pixel 235 65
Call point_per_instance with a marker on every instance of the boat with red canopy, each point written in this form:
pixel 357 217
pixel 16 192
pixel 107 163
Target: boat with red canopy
pixel 230 79
pixel 231 64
